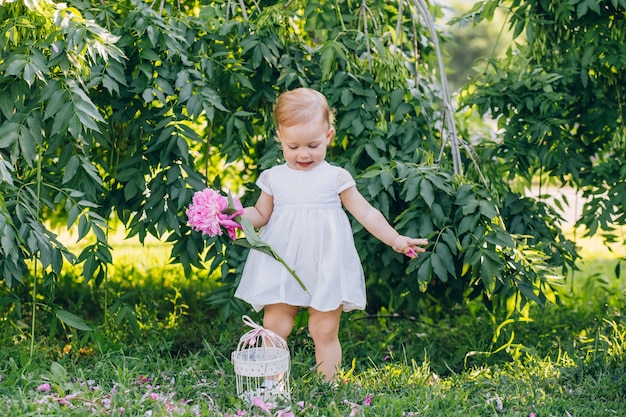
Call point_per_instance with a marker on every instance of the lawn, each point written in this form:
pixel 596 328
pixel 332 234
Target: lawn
pixel 157 348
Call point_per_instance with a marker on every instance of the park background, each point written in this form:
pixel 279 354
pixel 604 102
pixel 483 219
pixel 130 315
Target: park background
pixel 113 113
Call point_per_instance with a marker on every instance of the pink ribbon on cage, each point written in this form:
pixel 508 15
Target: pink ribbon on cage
pixel 250 338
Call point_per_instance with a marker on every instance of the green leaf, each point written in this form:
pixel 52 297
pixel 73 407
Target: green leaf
pixel 439 267
pixel 87 203
pixel 371 173
pixel 72 320
pixel 444 253
pixel 6 105
pixel 500 238
pixel 346 97
pixel 403 109
pixel 441 182
pixel 386 180
pixel 527 291
pixel 488 273
pixel 71 169
pixel 396 98
pixel 27 144
pixel 5 171
pixel 29 73
pixel 9 134
pixel 327 59
pixel 148 95
pixel 371 150
pixel 83 227
pixel 439 217
pixel 519 28
pixel 91 170
pixel 451 240
pixel 464 195
pixel 412 187
pixel 470 206
pixel 72 214
pixel 75 127
pixel 165 86
pixel 16 65
pixel 84 105
pixel 34 125
pixel 488 9
pixel 251 235
pixel 104 254
pixel 57 370
pixel 89 267
pixel 357 129
pixel 110 85
pixel 487 209
pixel 427 192
pixel 56 102
pixel 374 186
pixel 62 118
pixel 424 273
pixel 582 8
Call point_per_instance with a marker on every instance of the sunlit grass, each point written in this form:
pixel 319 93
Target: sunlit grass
pixel 152 253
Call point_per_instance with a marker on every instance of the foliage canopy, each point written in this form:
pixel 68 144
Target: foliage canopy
pixel 559 100
pixel 123 109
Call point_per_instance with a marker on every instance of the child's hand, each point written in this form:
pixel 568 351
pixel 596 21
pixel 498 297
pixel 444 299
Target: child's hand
pixel 411 247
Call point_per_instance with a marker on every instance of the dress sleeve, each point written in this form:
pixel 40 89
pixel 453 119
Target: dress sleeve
pixel 344 180
pixel 264 182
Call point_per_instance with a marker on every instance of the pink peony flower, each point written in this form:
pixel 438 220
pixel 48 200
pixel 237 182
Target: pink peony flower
pixel 205 211
pixel 227 221
pixel 210 211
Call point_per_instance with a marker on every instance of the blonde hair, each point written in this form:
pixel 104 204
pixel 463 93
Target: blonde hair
pixel 300 106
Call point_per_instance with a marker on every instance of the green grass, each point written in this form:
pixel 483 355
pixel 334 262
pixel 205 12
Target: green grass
pixel 158 349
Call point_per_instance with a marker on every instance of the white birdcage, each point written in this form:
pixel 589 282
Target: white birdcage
pixel 262 364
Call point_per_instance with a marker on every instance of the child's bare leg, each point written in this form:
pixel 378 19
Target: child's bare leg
pixel 324 328
pixel 279 318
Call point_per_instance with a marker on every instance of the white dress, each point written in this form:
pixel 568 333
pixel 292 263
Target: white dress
pixel 309 229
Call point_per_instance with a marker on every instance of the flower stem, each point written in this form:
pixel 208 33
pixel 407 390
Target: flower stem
pixel 291 271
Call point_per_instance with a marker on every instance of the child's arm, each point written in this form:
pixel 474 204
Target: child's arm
pixel 375 223
pixel 260 213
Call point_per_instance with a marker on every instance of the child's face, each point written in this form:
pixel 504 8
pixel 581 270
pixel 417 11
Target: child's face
pixel 304 145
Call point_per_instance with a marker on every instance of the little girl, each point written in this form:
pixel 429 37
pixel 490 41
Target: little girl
pixel 300 212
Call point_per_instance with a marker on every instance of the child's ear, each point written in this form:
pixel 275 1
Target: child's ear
pixel 330 135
